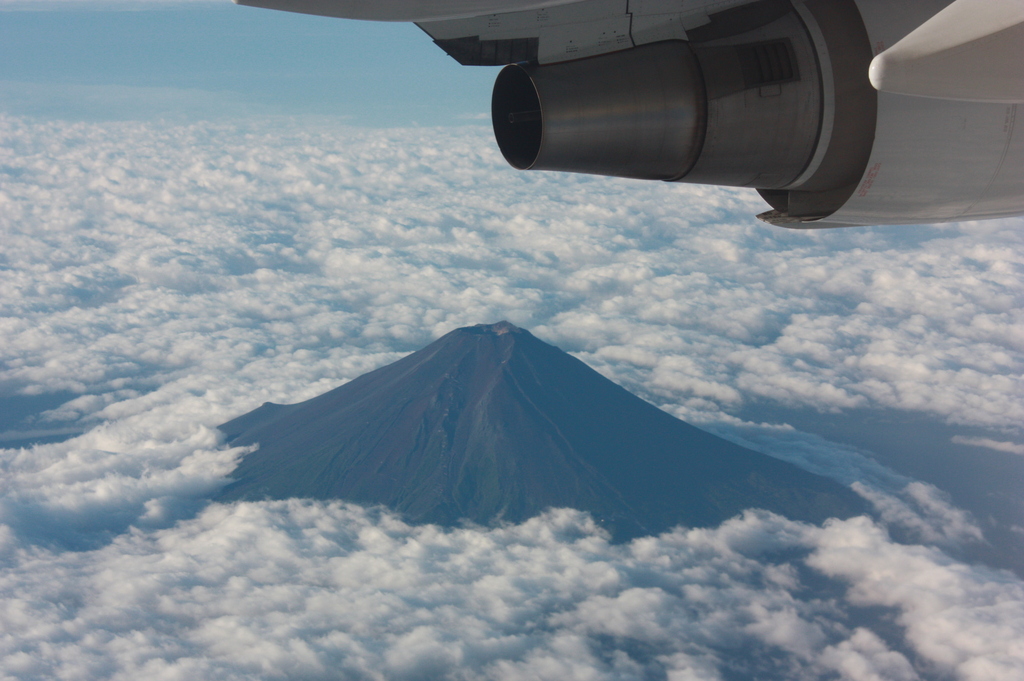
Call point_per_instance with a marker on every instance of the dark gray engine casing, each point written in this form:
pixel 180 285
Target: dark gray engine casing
pixel 762 127
pixel 740 108
pixel 638 113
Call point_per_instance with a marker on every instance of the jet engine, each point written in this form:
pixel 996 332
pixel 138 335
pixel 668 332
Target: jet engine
pixel 745 102
pixel 777 95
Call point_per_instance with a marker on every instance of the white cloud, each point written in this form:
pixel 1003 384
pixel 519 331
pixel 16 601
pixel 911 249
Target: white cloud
pixel 865 656
pixel 969 622
pixel 83 492
pixel 988 443
pixel 177 276
pixel 303 590
pixel 925 512
pixel 137 255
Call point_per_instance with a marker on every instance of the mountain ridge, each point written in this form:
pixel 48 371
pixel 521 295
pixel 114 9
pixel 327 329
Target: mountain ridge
pixel 489 423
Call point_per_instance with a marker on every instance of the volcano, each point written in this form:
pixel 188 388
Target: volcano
pixel 489 423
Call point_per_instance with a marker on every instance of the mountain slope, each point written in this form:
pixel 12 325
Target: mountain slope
pixel 488 423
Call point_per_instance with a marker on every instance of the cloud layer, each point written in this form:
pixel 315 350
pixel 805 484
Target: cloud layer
pixel 172 277
pixel 261 258
pixel 302 590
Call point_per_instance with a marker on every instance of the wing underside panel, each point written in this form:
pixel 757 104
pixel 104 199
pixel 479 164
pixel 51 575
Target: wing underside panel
pixel 586 29
pixel 402 10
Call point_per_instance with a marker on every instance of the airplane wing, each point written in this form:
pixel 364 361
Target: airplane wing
pixel 574 31
pixel 403 10
pixel 973 51
pixel 838 112
pixel 494 32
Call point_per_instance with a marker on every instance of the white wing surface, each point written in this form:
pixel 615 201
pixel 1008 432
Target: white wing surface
pixel 563 33
pixel 496 32
pixel 403 10
pixel 971 51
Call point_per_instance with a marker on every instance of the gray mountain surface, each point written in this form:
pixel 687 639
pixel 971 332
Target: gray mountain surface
pixel 489 423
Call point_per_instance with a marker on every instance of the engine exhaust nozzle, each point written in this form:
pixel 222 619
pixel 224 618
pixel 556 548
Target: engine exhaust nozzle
pixel 638 113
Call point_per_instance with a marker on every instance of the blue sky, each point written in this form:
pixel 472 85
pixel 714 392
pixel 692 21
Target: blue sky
pixel 217 60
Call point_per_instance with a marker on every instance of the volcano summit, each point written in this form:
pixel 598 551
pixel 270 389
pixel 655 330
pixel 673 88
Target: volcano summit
pixel 490 423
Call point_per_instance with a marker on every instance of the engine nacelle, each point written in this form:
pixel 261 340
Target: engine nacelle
pixel 746 107
pixel 641 113
pixel 773 95
pixel 769 94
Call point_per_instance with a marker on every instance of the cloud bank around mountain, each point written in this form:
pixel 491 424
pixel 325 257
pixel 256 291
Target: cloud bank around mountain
pixel 304 590
pixel 161 279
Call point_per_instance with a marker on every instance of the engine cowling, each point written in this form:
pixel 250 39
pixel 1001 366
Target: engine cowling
pixel 639 113
pixel 746 107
